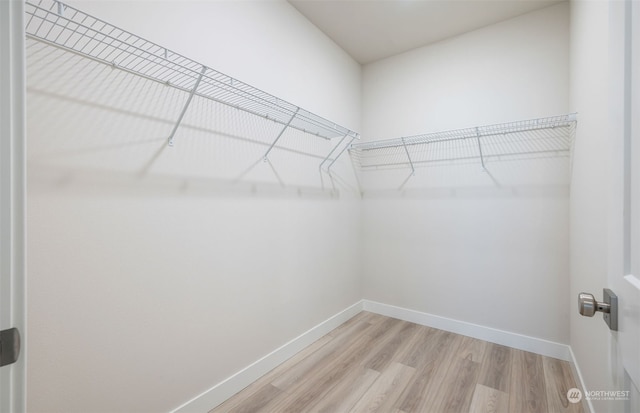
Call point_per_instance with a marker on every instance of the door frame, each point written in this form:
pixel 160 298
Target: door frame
pixel 13 197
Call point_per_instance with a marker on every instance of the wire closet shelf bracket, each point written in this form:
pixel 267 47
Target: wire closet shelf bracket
pixel 59 25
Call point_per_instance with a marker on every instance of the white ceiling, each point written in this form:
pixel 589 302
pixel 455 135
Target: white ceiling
pixel 370 30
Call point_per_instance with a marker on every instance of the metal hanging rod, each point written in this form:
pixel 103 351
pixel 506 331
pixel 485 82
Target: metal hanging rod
pixel 551 135
pixel 60 25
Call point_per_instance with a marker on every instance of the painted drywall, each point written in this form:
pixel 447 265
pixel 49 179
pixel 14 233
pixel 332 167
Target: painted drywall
pixel 153 275
pixel 513 70
pixel 489 248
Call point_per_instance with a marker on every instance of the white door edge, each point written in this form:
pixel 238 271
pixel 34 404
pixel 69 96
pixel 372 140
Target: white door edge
pixel 12 197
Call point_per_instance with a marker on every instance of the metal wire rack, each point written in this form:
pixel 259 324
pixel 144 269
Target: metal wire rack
pixel 57 24
pixel 527 138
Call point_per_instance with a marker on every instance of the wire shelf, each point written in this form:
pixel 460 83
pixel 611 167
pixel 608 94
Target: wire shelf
pixel 527 138
pixel 57 24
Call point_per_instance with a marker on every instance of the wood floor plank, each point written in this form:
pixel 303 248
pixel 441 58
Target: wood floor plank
pixel 319 381
pixel 300 363
pixel 458 385
pixel 305 390
pixel 527 392
pixel 311 363
pixel 558 380
pixel 386 354
pixel 496 367
pixel 382 327
pixel 489 400
pixel 374 318
pixel 384 392
pixel 413 345
pixel 346 394
pixel 422 395
pixel 419 351
pixel 255 402
pixel 265 381
pixel 472 349
pixel 360 317
pixel 388 351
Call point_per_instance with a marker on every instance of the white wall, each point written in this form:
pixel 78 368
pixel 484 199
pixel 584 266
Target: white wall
pixel 513 70
pixel 148 286
pixel 485 248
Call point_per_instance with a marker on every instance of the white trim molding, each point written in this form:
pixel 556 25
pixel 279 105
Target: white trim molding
pixel 587 406
pixel 227 388
pixel 505 338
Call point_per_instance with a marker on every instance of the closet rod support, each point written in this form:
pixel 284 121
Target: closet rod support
pixel 186 106
pixel 266 154
pixel 480 150
pixel 341 152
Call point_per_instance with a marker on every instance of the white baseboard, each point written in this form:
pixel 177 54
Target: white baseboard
pixel 587 406
pixel 505 338
pixel 227 388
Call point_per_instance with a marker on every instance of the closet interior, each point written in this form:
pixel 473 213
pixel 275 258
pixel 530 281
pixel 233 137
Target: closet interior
pixel 302 216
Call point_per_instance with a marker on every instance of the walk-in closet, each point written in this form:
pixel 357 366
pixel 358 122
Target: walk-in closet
pixel 320 206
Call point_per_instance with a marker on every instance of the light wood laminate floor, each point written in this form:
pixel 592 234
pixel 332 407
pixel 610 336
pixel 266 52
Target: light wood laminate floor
pixel 374 363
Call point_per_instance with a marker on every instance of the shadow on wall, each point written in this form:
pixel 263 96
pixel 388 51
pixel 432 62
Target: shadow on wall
pixel 93 127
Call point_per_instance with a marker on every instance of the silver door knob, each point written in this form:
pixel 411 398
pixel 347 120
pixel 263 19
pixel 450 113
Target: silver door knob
pixel 588 306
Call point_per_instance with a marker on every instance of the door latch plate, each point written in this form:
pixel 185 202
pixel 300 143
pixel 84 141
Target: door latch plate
pixel 611 318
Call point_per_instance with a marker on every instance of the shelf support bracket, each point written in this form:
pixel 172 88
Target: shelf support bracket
pixel 406 150
pixel 332 151
pixel 266 154
pixel 341 152
pixel 413 169
pixel 480 149
pixel 186 106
